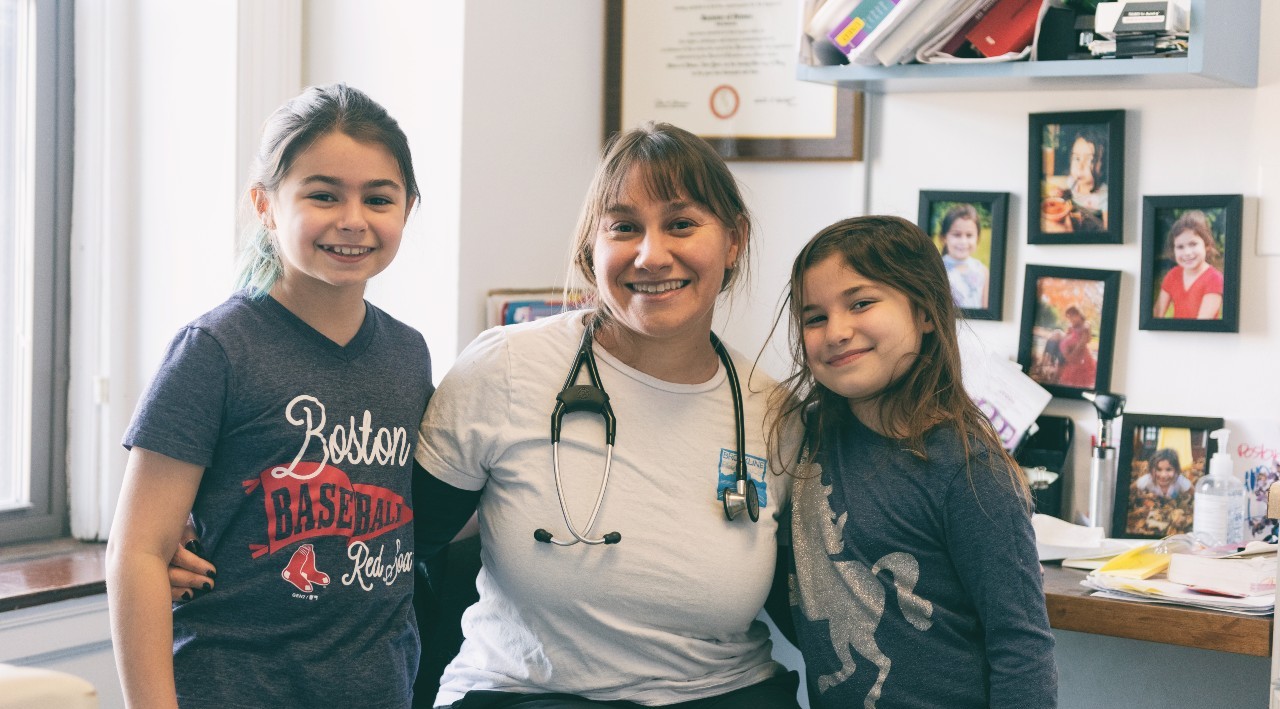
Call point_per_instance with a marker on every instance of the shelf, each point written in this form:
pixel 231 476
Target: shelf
pixel 1072 608
pixel 1223 52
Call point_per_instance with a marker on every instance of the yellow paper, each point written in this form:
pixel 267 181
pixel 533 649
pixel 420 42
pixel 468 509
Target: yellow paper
pixel 1137 563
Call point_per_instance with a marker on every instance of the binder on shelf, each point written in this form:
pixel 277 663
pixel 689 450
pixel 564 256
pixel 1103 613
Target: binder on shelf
pixel 957 38
pixel 856 33
pixel 943 44
pixel 900 44
pixel 1007 28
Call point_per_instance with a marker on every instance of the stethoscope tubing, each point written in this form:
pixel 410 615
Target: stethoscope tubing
pixel 564 507
pixel 592 397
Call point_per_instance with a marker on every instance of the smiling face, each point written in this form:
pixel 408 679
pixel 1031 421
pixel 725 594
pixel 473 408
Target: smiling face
pixel 1164 473
pixel 860 335
pixel 1189 250
pixel 961 238
pixel 336 217
pixel 660 265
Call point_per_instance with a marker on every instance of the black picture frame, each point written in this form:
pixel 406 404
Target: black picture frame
pixel 1058 212
pixel 1217 216
pixel 1143 508
pixel 845 143
pixel 990 210
pixel 1049 347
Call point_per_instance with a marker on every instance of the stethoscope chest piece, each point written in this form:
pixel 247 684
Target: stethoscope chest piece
pixel 742 496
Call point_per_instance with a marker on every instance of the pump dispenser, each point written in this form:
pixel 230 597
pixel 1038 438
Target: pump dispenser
pixel 1219 507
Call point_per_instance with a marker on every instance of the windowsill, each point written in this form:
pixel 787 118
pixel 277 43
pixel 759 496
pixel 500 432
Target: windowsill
pixel 47 572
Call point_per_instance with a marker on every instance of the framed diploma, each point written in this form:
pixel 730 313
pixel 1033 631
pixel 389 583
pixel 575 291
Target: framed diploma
pixel 725 70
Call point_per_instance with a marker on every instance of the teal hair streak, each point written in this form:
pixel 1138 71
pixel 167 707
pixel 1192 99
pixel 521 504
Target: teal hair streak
pixel 260 266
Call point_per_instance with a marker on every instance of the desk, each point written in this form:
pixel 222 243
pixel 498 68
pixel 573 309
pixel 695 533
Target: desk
pixel 1072 608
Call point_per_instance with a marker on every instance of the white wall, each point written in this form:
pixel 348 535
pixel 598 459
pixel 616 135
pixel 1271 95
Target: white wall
pixel 520 82
pixel 1216 141
pixel 531 132
pixel 408 56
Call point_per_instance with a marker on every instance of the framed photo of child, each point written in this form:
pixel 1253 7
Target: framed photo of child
pixel 1191 263
pixel 1161 459
pixel 1069 328
pixel 969 229
pixel 1075 180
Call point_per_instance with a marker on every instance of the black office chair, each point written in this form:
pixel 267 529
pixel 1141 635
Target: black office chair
pixel 444 587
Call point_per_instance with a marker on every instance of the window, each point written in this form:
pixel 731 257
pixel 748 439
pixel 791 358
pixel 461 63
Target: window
pixel 35 192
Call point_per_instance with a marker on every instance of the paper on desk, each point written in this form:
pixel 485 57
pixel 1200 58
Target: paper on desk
pixel 1255 548
pixel 1009 398
pixel 1140 562
pixel 1057 539
pixel 1164 591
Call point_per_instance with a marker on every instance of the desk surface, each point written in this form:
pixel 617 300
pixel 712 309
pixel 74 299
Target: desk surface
pixel 73 570
pixel 1072 608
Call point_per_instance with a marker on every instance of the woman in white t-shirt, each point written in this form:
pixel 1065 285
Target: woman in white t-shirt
pixel 666 616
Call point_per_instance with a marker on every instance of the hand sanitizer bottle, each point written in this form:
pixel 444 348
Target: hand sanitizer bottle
pixel 1218 510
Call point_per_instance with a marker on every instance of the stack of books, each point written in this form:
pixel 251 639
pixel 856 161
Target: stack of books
pixel 890 32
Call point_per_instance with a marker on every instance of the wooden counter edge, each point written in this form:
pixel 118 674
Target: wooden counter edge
pixel 1072 608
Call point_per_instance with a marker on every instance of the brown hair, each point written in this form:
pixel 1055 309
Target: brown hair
pixel 292 129
pixel 956 213
pixel 899 255
pixel 1169 456
pixel 1196 222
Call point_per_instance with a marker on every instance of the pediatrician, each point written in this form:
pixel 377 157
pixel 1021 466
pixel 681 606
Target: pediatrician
pixel 613 568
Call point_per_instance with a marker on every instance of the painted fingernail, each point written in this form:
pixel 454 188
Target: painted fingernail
pixel 211 574
pixel 186 595
pixel 207 586
pixel 194 547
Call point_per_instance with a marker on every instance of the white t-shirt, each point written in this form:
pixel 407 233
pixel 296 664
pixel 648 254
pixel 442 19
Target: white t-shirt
pixel 668 614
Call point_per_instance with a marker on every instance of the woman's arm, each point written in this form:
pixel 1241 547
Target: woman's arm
pixel 440 511
pixel 154 502
pixel 1210 304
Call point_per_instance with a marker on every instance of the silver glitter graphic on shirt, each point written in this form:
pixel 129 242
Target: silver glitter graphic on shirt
pixel 844 592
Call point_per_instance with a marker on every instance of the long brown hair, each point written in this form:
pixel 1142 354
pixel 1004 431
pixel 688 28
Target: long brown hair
pixel 899 255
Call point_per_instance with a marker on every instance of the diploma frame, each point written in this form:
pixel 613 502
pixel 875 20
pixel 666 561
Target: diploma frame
pixel 846 144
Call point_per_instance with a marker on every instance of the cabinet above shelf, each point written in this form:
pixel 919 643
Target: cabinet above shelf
pixel 1222 53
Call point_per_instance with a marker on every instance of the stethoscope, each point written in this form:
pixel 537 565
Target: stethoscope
pixel 592 398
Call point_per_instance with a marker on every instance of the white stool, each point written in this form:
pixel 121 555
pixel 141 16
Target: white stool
pixel 36 688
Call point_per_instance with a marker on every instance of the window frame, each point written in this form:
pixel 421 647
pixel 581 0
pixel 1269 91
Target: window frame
pixel 47 516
